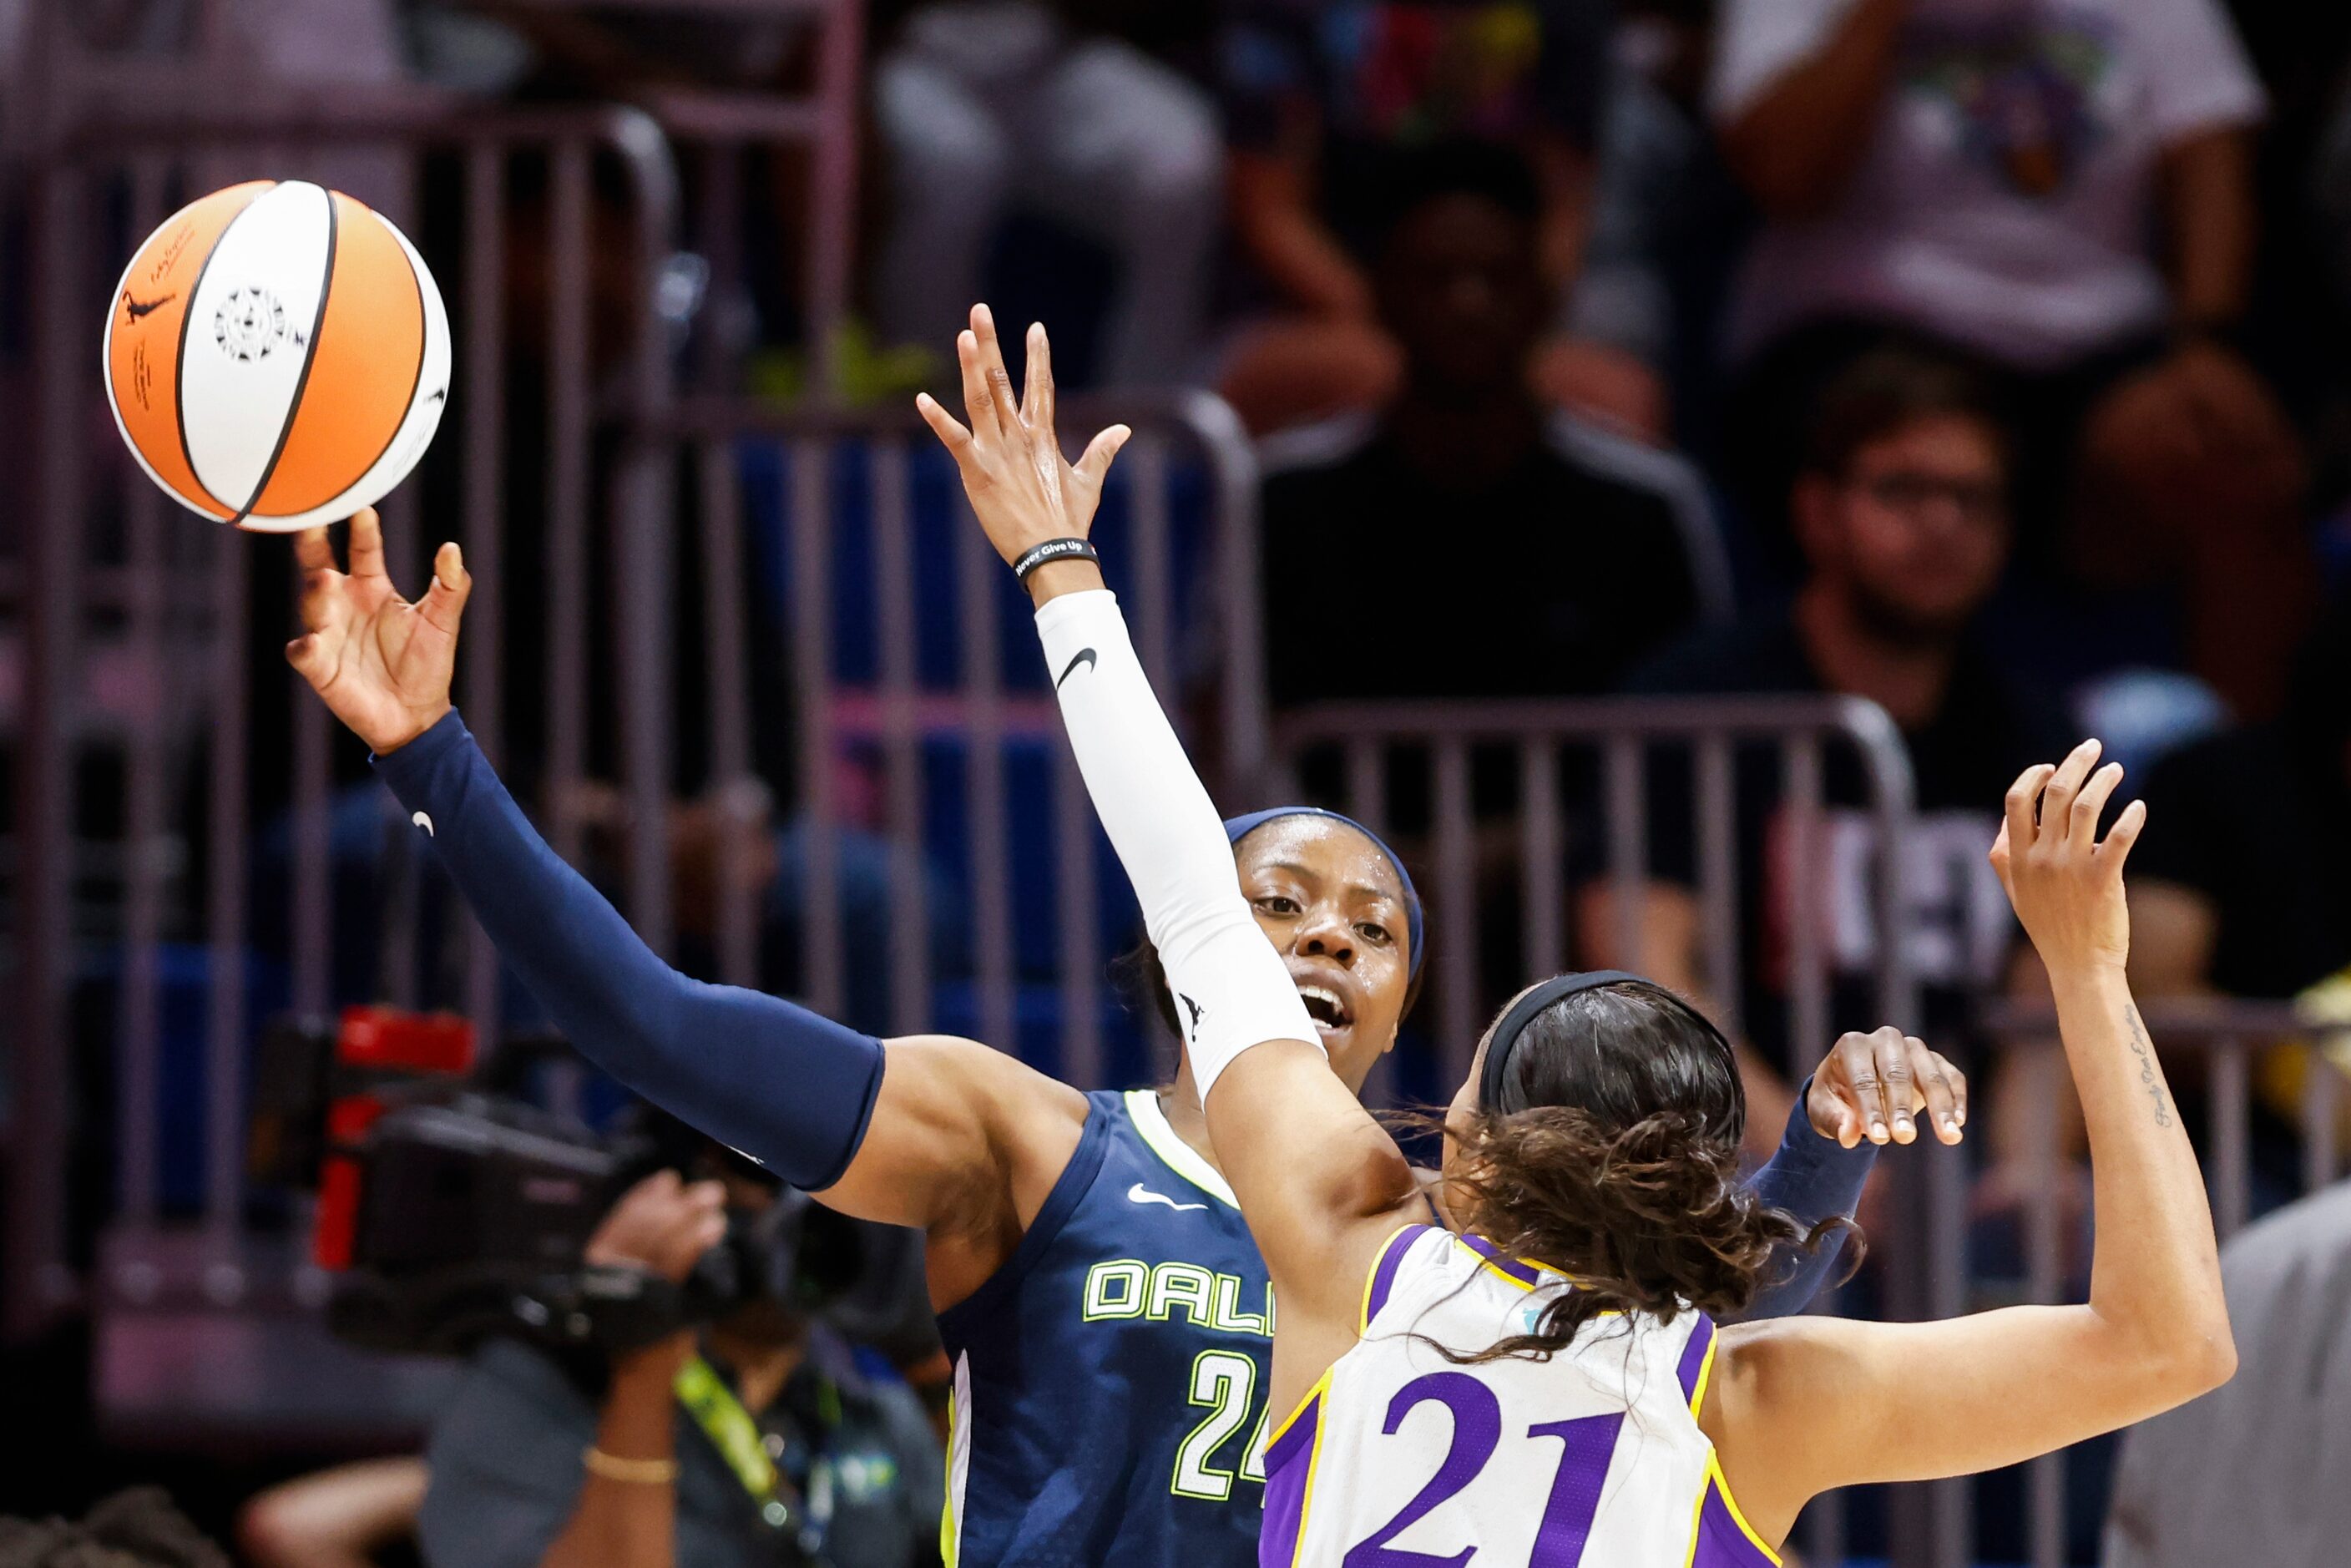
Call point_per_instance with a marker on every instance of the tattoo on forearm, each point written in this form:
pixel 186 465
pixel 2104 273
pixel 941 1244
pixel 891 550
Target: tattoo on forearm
pixel 2144 1049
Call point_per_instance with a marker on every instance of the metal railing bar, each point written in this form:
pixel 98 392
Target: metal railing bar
pixel 902 744
pixel 1541 854
pixel 811 557
pixel 1457 903
pixel 979 573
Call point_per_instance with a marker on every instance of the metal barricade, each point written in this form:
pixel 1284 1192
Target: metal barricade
pixel 1617 748
pixel 727 135
pixel 903 670
pixel 133 631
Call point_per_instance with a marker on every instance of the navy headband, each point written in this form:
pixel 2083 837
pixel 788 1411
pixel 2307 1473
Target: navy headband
pixel 1558 988
pixel 1239 827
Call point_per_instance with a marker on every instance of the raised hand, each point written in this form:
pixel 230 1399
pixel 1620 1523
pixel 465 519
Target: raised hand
pixel 2067 885
pixel 1021 487
pixel 383 664
pixel 1874 1086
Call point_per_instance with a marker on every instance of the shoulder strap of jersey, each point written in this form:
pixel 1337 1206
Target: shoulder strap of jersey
pixel 1695 1366
pixel 1381 1281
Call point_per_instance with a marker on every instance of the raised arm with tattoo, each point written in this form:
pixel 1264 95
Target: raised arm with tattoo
pixel 1805 1405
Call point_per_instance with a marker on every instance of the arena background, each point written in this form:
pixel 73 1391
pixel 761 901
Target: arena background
pixel 1473 353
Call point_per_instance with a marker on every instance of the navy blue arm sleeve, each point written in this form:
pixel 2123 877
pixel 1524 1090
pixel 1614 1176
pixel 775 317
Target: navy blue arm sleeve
pixel 1813 1179
pixel 790 1089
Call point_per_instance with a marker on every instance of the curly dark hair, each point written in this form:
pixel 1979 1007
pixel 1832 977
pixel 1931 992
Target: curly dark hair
pixel 1613 1155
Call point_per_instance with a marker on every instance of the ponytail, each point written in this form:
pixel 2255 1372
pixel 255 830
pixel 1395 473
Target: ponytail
pixel 1652 1219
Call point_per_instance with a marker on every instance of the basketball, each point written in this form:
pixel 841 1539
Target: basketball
pixel 276 356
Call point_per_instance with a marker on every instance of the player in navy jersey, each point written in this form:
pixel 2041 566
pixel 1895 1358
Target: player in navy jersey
pixel 1547 1386
pixel 1107 1314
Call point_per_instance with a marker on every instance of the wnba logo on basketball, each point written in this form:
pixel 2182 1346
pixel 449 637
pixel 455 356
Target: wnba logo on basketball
pixel 249 323
pixel 328 367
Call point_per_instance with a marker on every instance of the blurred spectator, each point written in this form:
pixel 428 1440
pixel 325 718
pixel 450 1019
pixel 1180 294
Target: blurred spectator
pixel 277 47
pixel 2253 903
pixel 1902 514
pixel 1587 550
pixel 984 105
pixel 762 1444
pixel 338 1518
pixel 139 1528
pixel 2256 904
pixel 2330 190
pixel 264 56
pixel 635 50
pixel 1327 106
pixel 2252 1472
pixel 727 841
pixel 2065 190
pixel 723 843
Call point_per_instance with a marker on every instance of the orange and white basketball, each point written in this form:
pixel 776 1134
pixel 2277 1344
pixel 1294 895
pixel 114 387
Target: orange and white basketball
pixel 277 356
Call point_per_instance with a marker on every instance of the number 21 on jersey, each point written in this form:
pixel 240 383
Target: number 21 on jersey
pixel 1585 1447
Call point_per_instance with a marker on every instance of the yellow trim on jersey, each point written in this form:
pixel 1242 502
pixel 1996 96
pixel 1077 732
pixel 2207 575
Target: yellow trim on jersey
pixel 1322 1386
pixel 1494 1267
pixel 1151 1122
pixel 1715 1475
pixel 1714 1482
pixel 1697 1513
pixel 1314 1465
pixel 949 1536
pixel 1705 1371
pixel 1372 1274
pixel 1715 1478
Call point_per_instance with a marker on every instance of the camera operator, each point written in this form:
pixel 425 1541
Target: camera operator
pixel 753 1442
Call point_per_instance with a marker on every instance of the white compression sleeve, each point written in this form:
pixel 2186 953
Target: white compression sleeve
pixel 1231 989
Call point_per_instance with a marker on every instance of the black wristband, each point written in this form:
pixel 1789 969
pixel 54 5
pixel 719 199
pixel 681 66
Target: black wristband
pixel 1052 550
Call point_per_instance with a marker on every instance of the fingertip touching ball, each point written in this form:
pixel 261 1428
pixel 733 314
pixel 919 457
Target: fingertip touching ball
pixel 277 356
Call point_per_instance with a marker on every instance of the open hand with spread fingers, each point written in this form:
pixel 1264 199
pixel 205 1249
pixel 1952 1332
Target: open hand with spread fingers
pixel 1021 487
pixel 2065 883
pixel 382 663
pixel 1875 1086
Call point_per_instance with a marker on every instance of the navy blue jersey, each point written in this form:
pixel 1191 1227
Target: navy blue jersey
pixel 1110 1380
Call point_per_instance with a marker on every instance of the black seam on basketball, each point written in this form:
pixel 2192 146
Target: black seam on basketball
pixel 301 377
pixel 424 339
pixel 180 362
pixel 424 336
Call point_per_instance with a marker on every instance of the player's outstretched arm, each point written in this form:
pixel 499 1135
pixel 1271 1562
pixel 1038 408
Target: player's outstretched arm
pixel 1320 1185
pixel 1805 1405
pixel 1869 1090
pixel 952 1137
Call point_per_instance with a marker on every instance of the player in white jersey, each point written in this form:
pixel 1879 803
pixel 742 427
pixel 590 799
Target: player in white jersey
pixel 1583 1395
pixel 1443 1412
pixel 1594 1455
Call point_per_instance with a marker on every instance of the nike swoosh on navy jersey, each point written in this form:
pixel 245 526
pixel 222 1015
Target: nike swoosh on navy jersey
pixel 1082 656
pixel 1139 1192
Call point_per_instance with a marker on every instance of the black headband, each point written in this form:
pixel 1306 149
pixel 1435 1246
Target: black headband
pixel 1558 987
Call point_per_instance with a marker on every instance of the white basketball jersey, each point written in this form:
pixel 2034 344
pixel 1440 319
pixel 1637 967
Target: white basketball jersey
pixel 1400 1458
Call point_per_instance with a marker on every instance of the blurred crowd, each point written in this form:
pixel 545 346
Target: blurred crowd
pixel 1981 358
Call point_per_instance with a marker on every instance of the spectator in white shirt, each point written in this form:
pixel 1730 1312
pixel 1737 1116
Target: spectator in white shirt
pixel 2063 189
pixel 985 105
